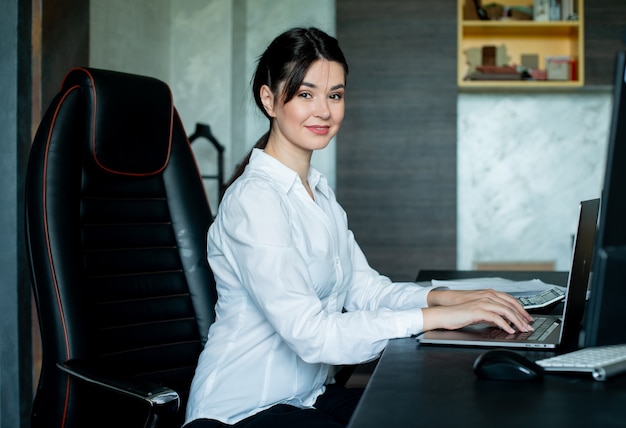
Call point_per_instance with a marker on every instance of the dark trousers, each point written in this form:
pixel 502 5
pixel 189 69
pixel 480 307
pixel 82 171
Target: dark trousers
pixel 333 409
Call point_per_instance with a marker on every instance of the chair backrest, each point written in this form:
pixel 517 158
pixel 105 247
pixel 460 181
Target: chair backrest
pixel 116 222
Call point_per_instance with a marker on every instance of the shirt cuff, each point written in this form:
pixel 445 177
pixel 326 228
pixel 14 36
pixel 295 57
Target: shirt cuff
pixel 411 322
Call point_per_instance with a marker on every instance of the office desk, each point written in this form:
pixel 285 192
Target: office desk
pixel 433 386
pixel 428 386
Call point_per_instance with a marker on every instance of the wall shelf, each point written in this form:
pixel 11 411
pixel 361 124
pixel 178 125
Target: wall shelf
pixel 518 37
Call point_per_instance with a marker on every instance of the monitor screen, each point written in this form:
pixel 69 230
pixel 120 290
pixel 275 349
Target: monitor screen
pixel 612 231
pixel 605 316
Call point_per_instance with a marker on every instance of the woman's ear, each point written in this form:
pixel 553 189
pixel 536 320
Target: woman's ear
pixel 267 98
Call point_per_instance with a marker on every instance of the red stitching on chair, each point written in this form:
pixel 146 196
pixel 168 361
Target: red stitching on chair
pixel 66 405
pixel 45 220
pixel 93 133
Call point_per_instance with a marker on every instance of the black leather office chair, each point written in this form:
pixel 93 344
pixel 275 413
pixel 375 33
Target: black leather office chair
pixel 116 222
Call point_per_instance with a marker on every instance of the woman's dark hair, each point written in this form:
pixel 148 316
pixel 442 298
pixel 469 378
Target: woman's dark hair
pixel 287 59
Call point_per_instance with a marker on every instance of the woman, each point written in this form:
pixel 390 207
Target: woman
pixel 295 293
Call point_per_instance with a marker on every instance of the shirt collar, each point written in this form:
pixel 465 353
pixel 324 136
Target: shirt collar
pixel 285 176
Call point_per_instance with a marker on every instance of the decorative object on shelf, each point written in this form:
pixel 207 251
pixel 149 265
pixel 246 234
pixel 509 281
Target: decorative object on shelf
pixel 530 61
pixel 474 58
pixel 498 12
pixel 489 55
pixel 560 68
pixel 504 72
pixel 479 11
pixel 494 66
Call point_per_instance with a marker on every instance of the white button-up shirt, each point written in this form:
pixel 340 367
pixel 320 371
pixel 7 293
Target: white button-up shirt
pixel 286 266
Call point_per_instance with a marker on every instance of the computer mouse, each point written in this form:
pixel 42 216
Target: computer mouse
pixel 504 364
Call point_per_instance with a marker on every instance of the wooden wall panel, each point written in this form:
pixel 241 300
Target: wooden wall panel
pixel 396 152
pixel 605 34
pixel 64 43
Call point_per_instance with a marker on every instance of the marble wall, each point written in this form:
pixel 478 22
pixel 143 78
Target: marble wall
pixel 525 161
pixel 202 77
pixel 133 37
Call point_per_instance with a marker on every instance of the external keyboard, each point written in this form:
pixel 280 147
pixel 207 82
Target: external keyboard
pixel 601 361
pixel 543 299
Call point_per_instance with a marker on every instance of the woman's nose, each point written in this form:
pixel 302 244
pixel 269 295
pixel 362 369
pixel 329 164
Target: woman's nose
pixel 322 111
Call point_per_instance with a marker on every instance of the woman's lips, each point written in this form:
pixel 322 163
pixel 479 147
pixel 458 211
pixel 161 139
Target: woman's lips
pixel 319 130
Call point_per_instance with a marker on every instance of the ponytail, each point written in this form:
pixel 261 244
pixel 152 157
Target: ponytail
pixel 239 169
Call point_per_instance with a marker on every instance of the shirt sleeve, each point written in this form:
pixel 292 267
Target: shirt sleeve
pixel 257 240
pixel 372 291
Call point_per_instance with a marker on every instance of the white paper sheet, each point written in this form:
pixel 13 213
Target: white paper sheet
pixel 516 288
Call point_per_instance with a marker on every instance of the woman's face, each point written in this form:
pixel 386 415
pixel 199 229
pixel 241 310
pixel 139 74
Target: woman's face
pixel 313 116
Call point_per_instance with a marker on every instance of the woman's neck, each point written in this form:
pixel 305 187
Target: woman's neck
pixel 293 157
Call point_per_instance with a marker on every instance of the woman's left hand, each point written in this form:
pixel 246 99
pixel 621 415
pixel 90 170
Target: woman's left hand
pixel 444 297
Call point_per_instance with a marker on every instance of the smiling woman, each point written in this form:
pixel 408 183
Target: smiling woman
pixel 309 120
pixel 281 72
pixel 296 294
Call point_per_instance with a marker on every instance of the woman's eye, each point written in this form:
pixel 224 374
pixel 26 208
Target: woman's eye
pixel 305 95
pixel 336 97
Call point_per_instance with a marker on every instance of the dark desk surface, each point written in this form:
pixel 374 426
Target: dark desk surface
pixel 422 386
pixel 433 386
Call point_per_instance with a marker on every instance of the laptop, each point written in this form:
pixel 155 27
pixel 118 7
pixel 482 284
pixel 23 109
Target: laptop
pixel 555 330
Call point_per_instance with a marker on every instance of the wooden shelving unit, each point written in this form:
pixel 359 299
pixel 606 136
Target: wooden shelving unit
pixel 543 38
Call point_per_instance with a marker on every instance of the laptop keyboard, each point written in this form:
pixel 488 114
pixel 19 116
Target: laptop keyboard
pixel 601 361
pixel 542 329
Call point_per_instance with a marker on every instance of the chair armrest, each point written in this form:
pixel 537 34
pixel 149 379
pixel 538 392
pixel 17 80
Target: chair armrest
pixel 163 402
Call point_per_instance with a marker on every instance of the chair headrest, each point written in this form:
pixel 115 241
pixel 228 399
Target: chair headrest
pixel 129 119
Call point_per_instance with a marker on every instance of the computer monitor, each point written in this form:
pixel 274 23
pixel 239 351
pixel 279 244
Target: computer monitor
pixel 605 316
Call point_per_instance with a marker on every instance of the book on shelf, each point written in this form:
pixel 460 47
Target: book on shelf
pixel 568 12
pixel 554 10
pixel 541 10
